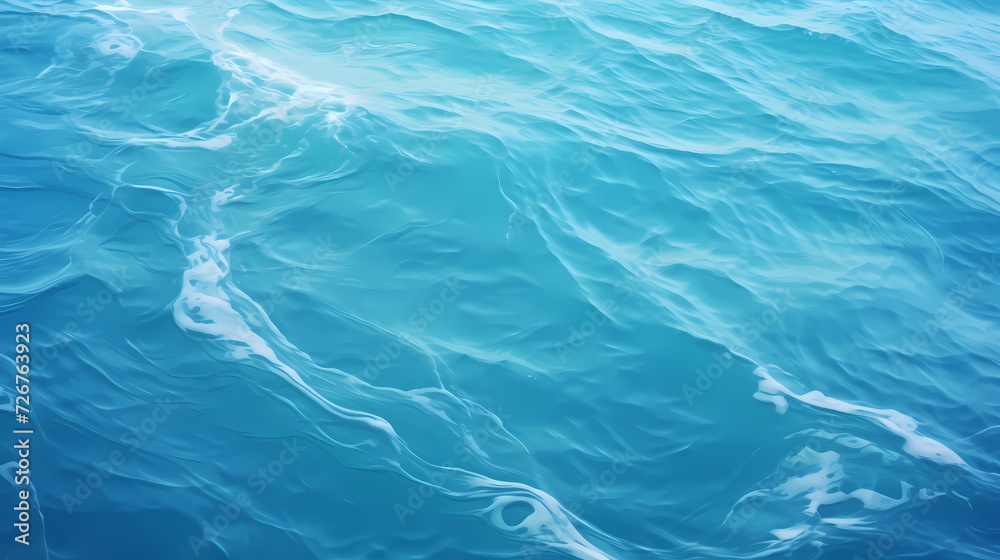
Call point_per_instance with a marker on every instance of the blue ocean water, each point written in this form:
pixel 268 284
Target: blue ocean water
pixel 449 280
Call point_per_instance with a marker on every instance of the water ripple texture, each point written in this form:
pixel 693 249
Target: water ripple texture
pixel 448 280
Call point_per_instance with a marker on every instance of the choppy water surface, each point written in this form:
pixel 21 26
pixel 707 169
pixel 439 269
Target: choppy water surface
pixel 505 280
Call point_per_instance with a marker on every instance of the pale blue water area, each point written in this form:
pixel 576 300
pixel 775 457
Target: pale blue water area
pixel 450 280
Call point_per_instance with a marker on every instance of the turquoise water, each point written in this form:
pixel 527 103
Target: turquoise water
pixel 503 280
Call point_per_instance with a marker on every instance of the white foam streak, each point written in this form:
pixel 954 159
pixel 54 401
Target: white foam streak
pixel 205 307
pixel 770 390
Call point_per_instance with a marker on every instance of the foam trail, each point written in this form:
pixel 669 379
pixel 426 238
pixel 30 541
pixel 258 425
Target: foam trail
pixel 917 445
pixel 206 305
